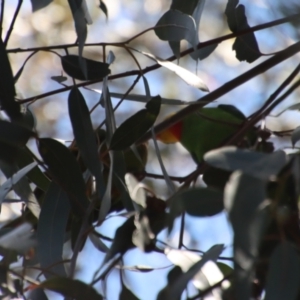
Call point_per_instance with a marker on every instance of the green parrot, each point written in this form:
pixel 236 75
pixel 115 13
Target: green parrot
pixel 204 130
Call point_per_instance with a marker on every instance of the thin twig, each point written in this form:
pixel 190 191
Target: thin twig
pixel 11 27
pixel 181 234
pixel 2 17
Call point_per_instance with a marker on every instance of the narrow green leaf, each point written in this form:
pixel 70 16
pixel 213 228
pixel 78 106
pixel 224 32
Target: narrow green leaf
pixel 284 273
pixel 73 288
pixel 51 231
pixel 85 136
pixel 257 164
pixel 200 202
pixel 7 86
pixel 66 172
pixel 135 126
pixel 95 69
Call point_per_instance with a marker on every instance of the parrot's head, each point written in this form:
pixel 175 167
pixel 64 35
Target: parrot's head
pixel 172 134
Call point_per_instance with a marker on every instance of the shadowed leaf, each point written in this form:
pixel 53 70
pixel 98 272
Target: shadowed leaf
pixel 95 69
pixel 51 231
pixel 66 172
pixel 246 46
pixel 200 202
pixel 73 288
pixel 135 126
pixel 284 273
pixel 85 136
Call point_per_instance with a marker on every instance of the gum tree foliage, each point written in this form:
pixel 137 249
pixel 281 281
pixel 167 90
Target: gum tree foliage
pixel 69 190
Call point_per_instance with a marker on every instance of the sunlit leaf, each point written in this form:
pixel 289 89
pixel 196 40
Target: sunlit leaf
pixel 8 185
pixel 187 76
pixel 19 239
pixel 73 288
pixel 136 191
pixel 143 236
pixel 180 284
pixel 66 172
pixel 256 164
pixel 22 187
pixel 51 231
pixel 95 69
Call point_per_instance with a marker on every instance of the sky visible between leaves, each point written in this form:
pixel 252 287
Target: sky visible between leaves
pixel 54 25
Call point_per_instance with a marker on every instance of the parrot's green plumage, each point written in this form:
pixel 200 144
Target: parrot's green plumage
pixel 204 130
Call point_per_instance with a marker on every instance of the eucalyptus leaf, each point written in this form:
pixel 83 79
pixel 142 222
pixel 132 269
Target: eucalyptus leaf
pixel 51 231
pixel 66 172
pixel 94 69
pixel 200 202
pixel 246 46
pixel 81 17
pixel 180 284
pixel 243 199
pixel 85 136
pixel 284 273
pixel 73 288
pixel 187 76
pixel 9 184
pixel 122 240
pixel 176 26
pixel 257 164
pixel 135 126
